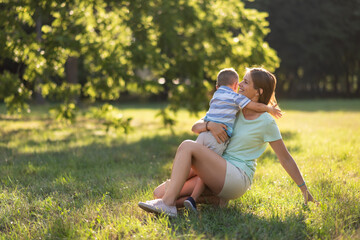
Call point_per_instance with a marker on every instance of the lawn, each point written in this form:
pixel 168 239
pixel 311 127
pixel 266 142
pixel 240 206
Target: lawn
pixel 79 181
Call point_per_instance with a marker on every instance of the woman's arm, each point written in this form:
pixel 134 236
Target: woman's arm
pixel 216 129
pixel 291 167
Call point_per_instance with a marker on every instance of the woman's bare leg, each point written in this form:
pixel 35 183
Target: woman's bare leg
pixel 207 197
pixel 185 191
pixel 208 165
pixel 160 190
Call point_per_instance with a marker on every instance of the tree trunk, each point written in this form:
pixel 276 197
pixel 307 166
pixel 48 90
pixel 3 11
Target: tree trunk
pixel 39 99
pixel 292 85
pixel 357 92
pixel 357 73
pixel 71 72
pixel 335 84
pixel 347 82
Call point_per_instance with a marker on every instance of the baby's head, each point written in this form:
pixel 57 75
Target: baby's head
pixel 228 77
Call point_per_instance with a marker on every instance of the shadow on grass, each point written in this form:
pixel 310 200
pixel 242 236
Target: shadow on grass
pixel 236 223
pixel 93 169
pixel 72 177
pixel 116 168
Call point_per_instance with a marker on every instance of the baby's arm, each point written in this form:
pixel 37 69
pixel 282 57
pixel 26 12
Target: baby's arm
pixel 260 107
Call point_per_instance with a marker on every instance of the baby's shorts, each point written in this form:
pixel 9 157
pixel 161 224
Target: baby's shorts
pixel 209 141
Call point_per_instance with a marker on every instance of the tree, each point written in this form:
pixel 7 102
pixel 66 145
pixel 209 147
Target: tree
pixel 317 44
pixel 174 47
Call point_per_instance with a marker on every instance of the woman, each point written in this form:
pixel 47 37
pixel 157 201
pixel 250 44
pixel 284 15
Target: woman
pixel 229 176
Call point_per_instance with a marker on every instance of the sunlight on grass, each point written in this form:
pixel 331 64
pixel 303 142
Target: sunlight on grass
pixel 79 181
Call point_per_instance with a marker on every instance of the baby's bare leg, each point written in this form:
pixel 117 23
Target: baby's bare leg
pixel 198 189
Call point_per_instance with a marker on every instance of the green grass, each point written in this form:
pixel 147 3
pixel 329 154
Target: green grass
pixel 80 182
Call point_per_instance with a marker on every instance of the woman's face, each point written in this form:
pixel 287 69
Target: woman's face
pixel 246 87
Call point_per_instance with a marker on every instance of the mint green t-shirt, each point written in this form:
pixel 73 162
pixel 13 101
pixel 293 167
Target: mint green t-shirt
pixel 249 141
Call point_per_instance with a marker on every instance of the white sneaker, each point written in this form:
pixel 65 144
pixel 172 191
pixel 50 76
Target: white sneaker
pixel 158 206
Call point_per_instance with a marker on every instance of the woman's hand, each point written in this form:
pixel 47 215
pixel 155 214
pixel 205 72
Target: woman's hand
pixel 218 131
pixel 307 196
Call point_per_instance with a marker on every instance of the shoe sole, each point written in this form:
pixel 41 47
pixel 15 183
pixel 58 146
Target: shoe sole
pixel 152 209
pixel 189 206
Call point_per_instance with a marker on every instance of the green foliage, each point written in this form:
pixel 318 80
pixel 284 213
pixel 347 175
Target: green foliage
pixel 65 92
pixel 112 118
pixel 118 123
pixel 14 93
pixel 64 112
pixel 167 119
pixel 192 41
pixel 129 46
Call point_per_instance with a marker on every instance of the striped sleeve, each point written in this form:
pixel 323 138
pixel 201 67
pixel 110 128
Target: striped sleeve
pixel 241 100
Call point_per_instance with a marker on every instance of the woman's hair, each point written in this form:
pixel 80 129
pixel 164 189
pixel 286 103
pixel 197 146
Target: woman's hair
pixel 265 80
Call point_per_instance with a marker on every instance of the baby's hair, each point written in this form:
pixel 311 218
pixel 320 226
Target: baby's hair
pixel 226 77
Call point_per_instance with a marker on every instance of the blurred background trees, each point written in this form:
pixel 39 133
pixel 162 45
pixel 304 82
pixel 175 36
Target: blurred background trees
pixel 317 44
pixel 74 51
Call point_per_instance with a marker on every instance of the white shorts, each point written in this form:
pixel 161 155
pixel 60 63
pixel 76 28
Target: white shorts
pixel 209 141
pixel 236 183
